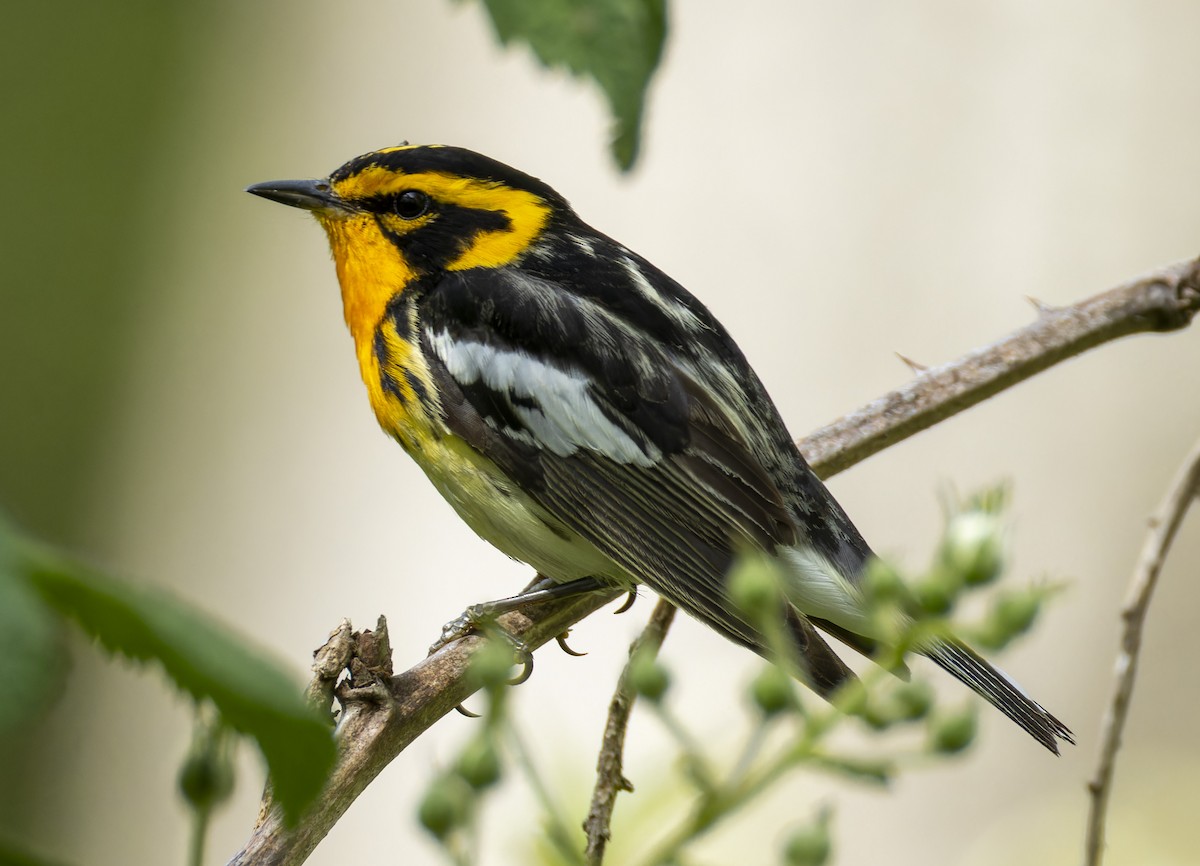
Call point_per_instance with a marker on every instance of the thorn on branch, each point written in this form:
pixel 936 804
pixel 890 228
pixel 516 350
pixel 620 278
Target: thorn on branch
pixel 911 364
pixel 1165 300
pixel 1043 309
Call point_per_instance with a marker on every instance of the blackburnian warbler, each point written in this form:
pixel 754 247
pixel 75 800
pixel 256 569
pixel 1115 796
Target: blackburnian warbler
pixel 583 412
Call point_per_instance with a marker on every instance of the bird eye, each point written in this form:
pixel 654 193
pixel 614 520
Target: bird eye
pixel 410 204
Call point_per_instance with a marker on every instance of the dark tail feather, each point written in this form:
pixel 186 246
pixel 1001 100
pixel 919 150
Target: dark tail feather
pixel 824 672
pixel 960 660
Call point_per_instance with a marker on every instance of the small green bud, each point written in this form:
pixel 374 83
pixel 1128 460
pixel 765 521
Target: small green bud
pixel 648 678
pixel 851 698
pixel 1012 614
pixel 913 700
pixel 1015 612
pixel 809 846
pixel 772 691
pixel 479 763
pixel 953 731
pixel 205 780
pixel 973 547
pixel 989 636
pixel 206 777
pixel 445 806
pixel 904 702
pixel 491 666
pixel 882 581
pixel 754 587
pixel 937 592
pixel 878 718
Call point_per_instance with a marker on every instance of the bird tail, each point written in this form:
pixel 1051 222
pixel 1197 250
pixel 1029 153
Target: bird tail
pixel 997 689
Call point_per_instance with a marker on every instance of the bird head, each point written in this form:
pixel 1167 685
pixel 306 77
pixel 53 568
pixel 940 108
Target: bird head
pixel 398 215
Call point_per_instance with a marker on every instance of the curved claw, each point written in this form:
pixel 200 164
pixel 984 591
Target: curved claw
pixel 632 597
pixel 562 644
pixel 463 711
pixel 526 668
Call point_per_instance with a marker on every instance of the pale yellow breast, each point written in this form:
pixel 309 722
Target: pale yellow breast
pixel 503 515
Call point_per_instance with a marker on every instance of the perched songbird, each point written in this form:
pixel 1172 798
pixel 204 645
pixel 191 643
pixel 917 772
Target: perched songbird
pixel 582 411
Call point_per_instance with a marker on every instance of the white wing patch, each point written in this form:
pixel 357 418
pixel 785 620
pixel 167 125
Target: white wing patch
pixel 564 417
pixel 817 588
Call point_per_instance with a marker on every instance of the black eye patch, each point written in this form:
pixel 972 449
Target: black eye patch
pixel 408 204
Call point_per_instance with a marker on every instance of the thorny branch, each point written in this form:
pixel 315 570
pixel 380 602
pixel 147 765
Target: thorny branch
pixel 1165 300
pixel 609 778
pixel 1185 488
pixel 380 718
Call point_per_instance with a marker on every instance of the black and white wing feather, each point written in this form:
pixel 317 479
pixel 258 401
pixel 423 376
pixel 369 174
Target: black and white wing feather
pixel 623 409
pixel 613 438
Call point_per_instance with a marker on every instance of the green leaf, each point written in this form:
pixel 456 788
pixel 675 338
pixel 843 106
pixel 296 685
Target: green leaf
pixel 617 43
pixel 253 694
pixel 32 660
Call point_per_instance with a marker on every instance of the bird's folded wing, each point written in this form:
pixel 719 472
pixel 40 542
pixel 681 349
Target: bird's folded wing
pixel 617 443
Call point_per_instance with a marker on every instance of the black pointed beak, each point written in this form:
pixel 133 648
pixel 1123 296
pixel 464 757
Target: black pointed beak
pixel 307 194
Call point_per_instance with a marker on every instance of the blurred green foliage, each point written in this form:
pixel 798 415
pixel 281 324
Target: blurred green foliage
pixel 12 854
pixel 89 91
pixel 616 43
pixel 86 89
pixel 908 725
pixel 248 691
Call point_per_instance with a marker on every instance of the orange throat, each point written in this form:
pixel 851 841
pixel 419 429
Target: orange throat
pixel 370 269
pixel 371 272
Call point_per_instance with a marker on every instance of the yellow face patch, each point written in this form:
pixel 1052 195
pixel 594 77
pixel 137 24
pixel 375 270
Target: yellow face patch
pixel 369 267
pixel 369 245
pixel 526 212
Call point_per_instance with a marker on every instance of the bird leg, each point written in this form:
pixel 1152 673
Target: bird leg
pixel 542 589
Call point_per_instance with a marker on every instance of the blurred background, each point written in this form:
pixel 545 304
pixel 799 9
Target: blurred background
pixel 837 181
